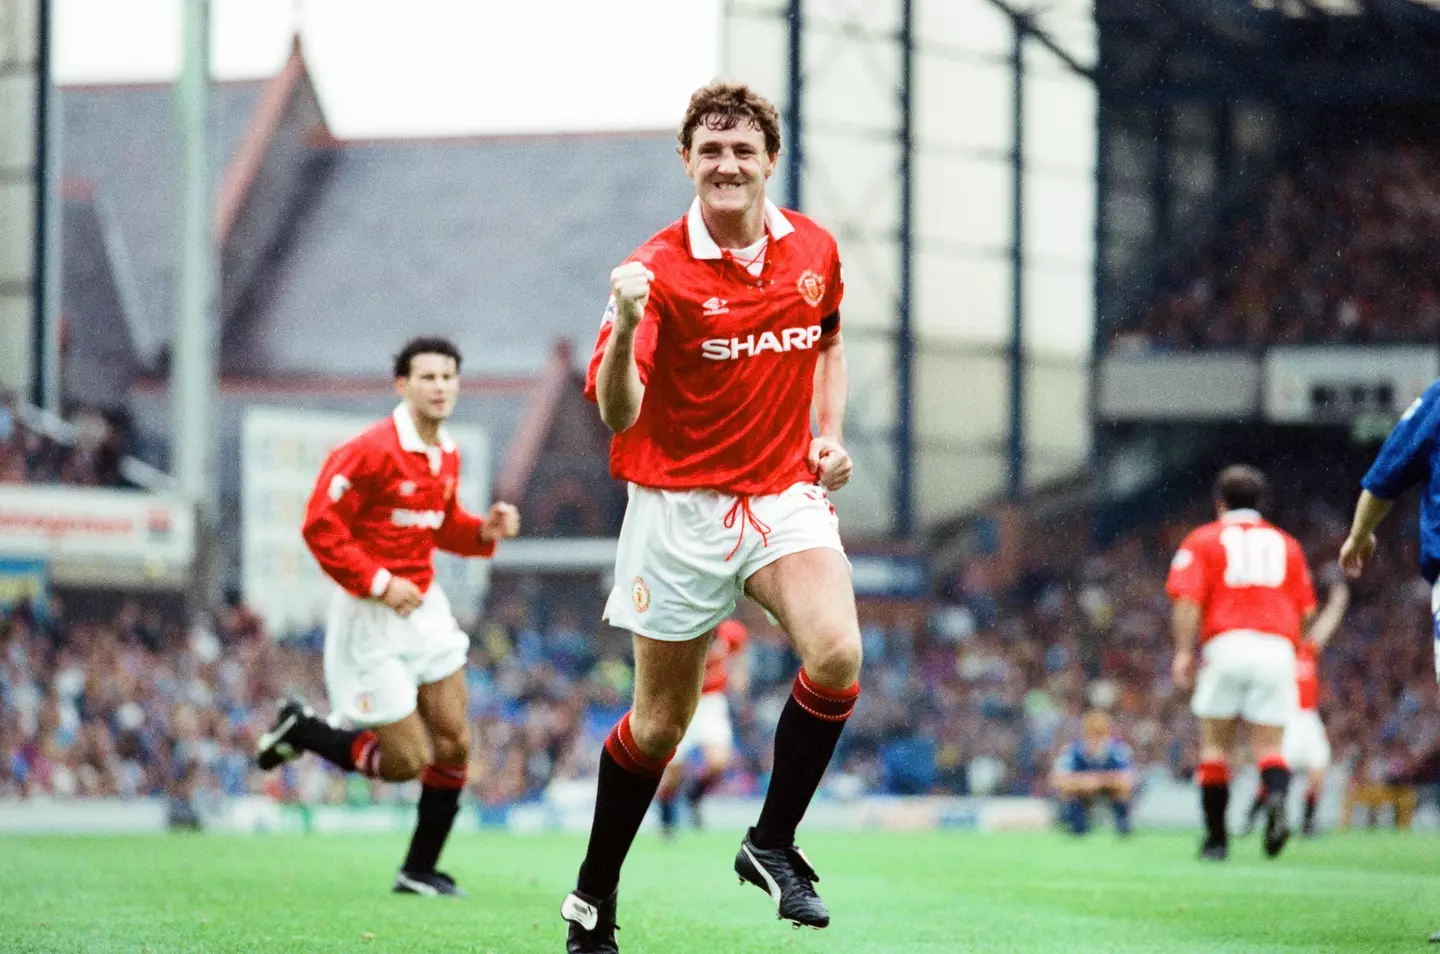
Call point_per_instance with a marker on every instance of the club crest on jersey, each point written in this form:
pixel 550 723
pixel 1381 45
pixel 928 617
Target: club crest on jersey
pixel 812 288
pixel 365 703
pixel 640 595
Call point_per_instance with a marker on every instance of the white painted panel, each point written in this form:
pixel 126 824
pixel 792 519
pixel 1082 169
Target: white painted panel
pixel 739 8
pixel 952 483
pixel 965 201
pixel 974 26
pixel 1057 411
pixel 869 15
pixel 15 317
pixel 962 104
pixel 1060 122
pixel 1059 309
pixel 17 231
pixel 962 298
pixel 852 180
pixel 961 397
pixel 17 120
pixel 872 268
pixel 853 81
pixel 755 50
pixel 1059 216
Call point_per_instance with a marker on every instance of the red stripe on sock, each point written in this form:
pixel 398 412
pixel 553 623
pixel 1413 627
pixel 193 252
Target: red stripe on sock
pixel 1213 773
pixel 365 753
pixel 450 777
pixel 822 702
pixel 622 748
pixel 1273 762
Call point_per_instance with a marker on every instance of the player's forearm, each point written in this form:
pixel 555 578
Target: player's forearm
pixel 832 381
pixel 462 534
pixel 618 389
pixel 1185 625
pixel 1370 510
pixel 344 560
pixel 1327 621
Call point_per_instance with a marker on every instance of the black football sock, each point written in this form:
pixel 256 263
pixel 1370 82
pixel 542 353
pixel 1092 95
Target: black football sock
pixel 627 784
pixel 1214 778
pixel 698 788
pixel 1312 803
pixel 354 750
pixel 440 790
pixel 805 738
pixel 667 811
pixel 1274 776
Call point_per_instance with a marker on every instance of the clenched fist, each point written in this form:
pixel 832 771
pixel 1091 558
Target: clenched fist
pixel 630 284
pixel 503 522
pixel 830 461
pixel 402 596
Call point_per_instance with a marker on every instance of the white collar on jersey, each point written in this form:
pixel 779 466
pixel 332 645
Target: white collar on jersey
pixel 1243 515
pixel 702 246
pixel 410 437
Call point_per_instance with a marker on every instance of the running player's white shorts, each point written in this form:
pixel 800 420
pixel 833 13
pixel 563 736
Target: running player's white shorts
pixel 1248 674
pixel 711 726
pixel 678 570
pixel 375 659
pixel 1305 746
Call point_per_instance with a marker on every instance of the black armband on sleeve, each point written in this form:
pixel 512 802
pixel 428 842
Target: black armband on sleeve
pixel 830 323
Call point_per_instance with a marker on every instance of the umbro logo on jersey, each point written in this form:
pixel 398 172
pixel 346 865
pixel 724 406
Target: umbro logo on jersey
pixel 716 306
pixel 752 346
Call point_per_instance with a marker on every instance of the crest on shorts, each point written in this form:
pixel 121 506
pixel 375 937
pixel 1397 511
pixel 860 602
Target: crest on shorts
pixel 640 594
pixel 365 703
pixel 812 288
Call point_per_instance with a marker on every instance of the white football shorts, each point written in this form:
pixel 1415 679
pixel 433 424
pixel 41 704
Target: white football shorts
pixel 684 555
pixel 711 726
pixel 375 659
pixel 1305 746
pixel 1248 674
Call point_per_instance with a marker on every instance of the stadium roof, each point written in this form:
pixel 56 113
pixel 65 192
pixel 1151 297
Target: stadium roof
pixel 502 243
pixel 1291 51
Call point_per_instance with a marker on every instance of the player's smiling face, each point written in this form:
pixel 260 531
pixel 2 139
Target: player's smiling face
pixel 432 386
pixel 729 167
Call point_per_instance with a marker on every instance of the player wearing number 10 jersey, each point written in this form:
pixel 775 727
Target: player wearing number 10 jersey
pixel 1242 589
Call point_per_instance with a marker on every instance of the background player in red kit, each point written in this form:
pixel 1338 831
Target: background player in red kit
pixel 1305 745
pixel 710 731
pixel 394 655
pixel 1242 588
pixel 722 337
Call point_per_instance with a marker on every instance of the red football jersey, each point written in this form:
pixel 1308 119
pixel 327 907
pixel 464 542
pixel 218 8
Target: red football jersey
pixel 1307 675
pixel 382 504
pixel 729 641
pixel 727 359
pixel 1246 574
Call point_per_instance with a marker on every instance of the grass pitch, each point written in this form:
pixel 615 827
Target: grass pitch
pixel 911 893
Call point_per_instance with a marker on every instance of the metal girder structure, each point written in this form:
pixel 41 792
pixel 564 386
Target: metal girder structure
pixel 23 199
pixel 903 117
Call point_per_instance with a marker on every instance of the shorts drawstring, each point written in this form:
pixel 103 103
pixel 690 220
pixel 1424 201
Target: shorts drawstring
pixel 741 511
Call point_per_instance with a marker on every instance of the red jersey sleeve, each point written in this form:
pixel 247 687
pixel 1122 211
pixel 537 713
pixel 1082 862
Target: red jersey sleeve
pixel 1189 577
pixel 646 334
pixel 1300 583
pixel 340 490
pixel 460 533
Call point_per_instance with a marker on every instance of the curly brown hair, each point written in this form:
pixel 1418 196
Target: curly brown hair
pixel 723 105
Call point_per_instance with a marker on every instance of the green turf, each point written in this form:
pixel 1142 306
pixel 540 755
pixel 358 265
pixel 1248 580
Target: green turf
pixel 950 892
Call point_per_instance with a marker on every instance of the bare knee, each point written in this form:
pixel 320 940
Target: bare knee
pixel 834 660
pixel 657 733
pixel 452 747
pixel 403 763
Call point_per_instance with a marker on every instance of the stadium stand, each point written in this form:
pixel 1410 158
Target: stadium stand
pixel 1333 248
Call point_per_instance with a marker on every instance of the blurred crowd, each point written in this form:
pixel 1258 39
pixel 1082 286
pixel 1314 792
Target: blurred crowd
pixel 1338 248
pixel 975 698
pixel 89 453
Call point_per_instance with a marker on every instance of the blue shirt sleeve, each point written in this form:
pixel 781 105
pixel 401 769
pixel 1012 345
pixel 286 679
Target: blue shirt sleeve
pixel 1066 761
pixel 1121 758
pixel 1404 458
